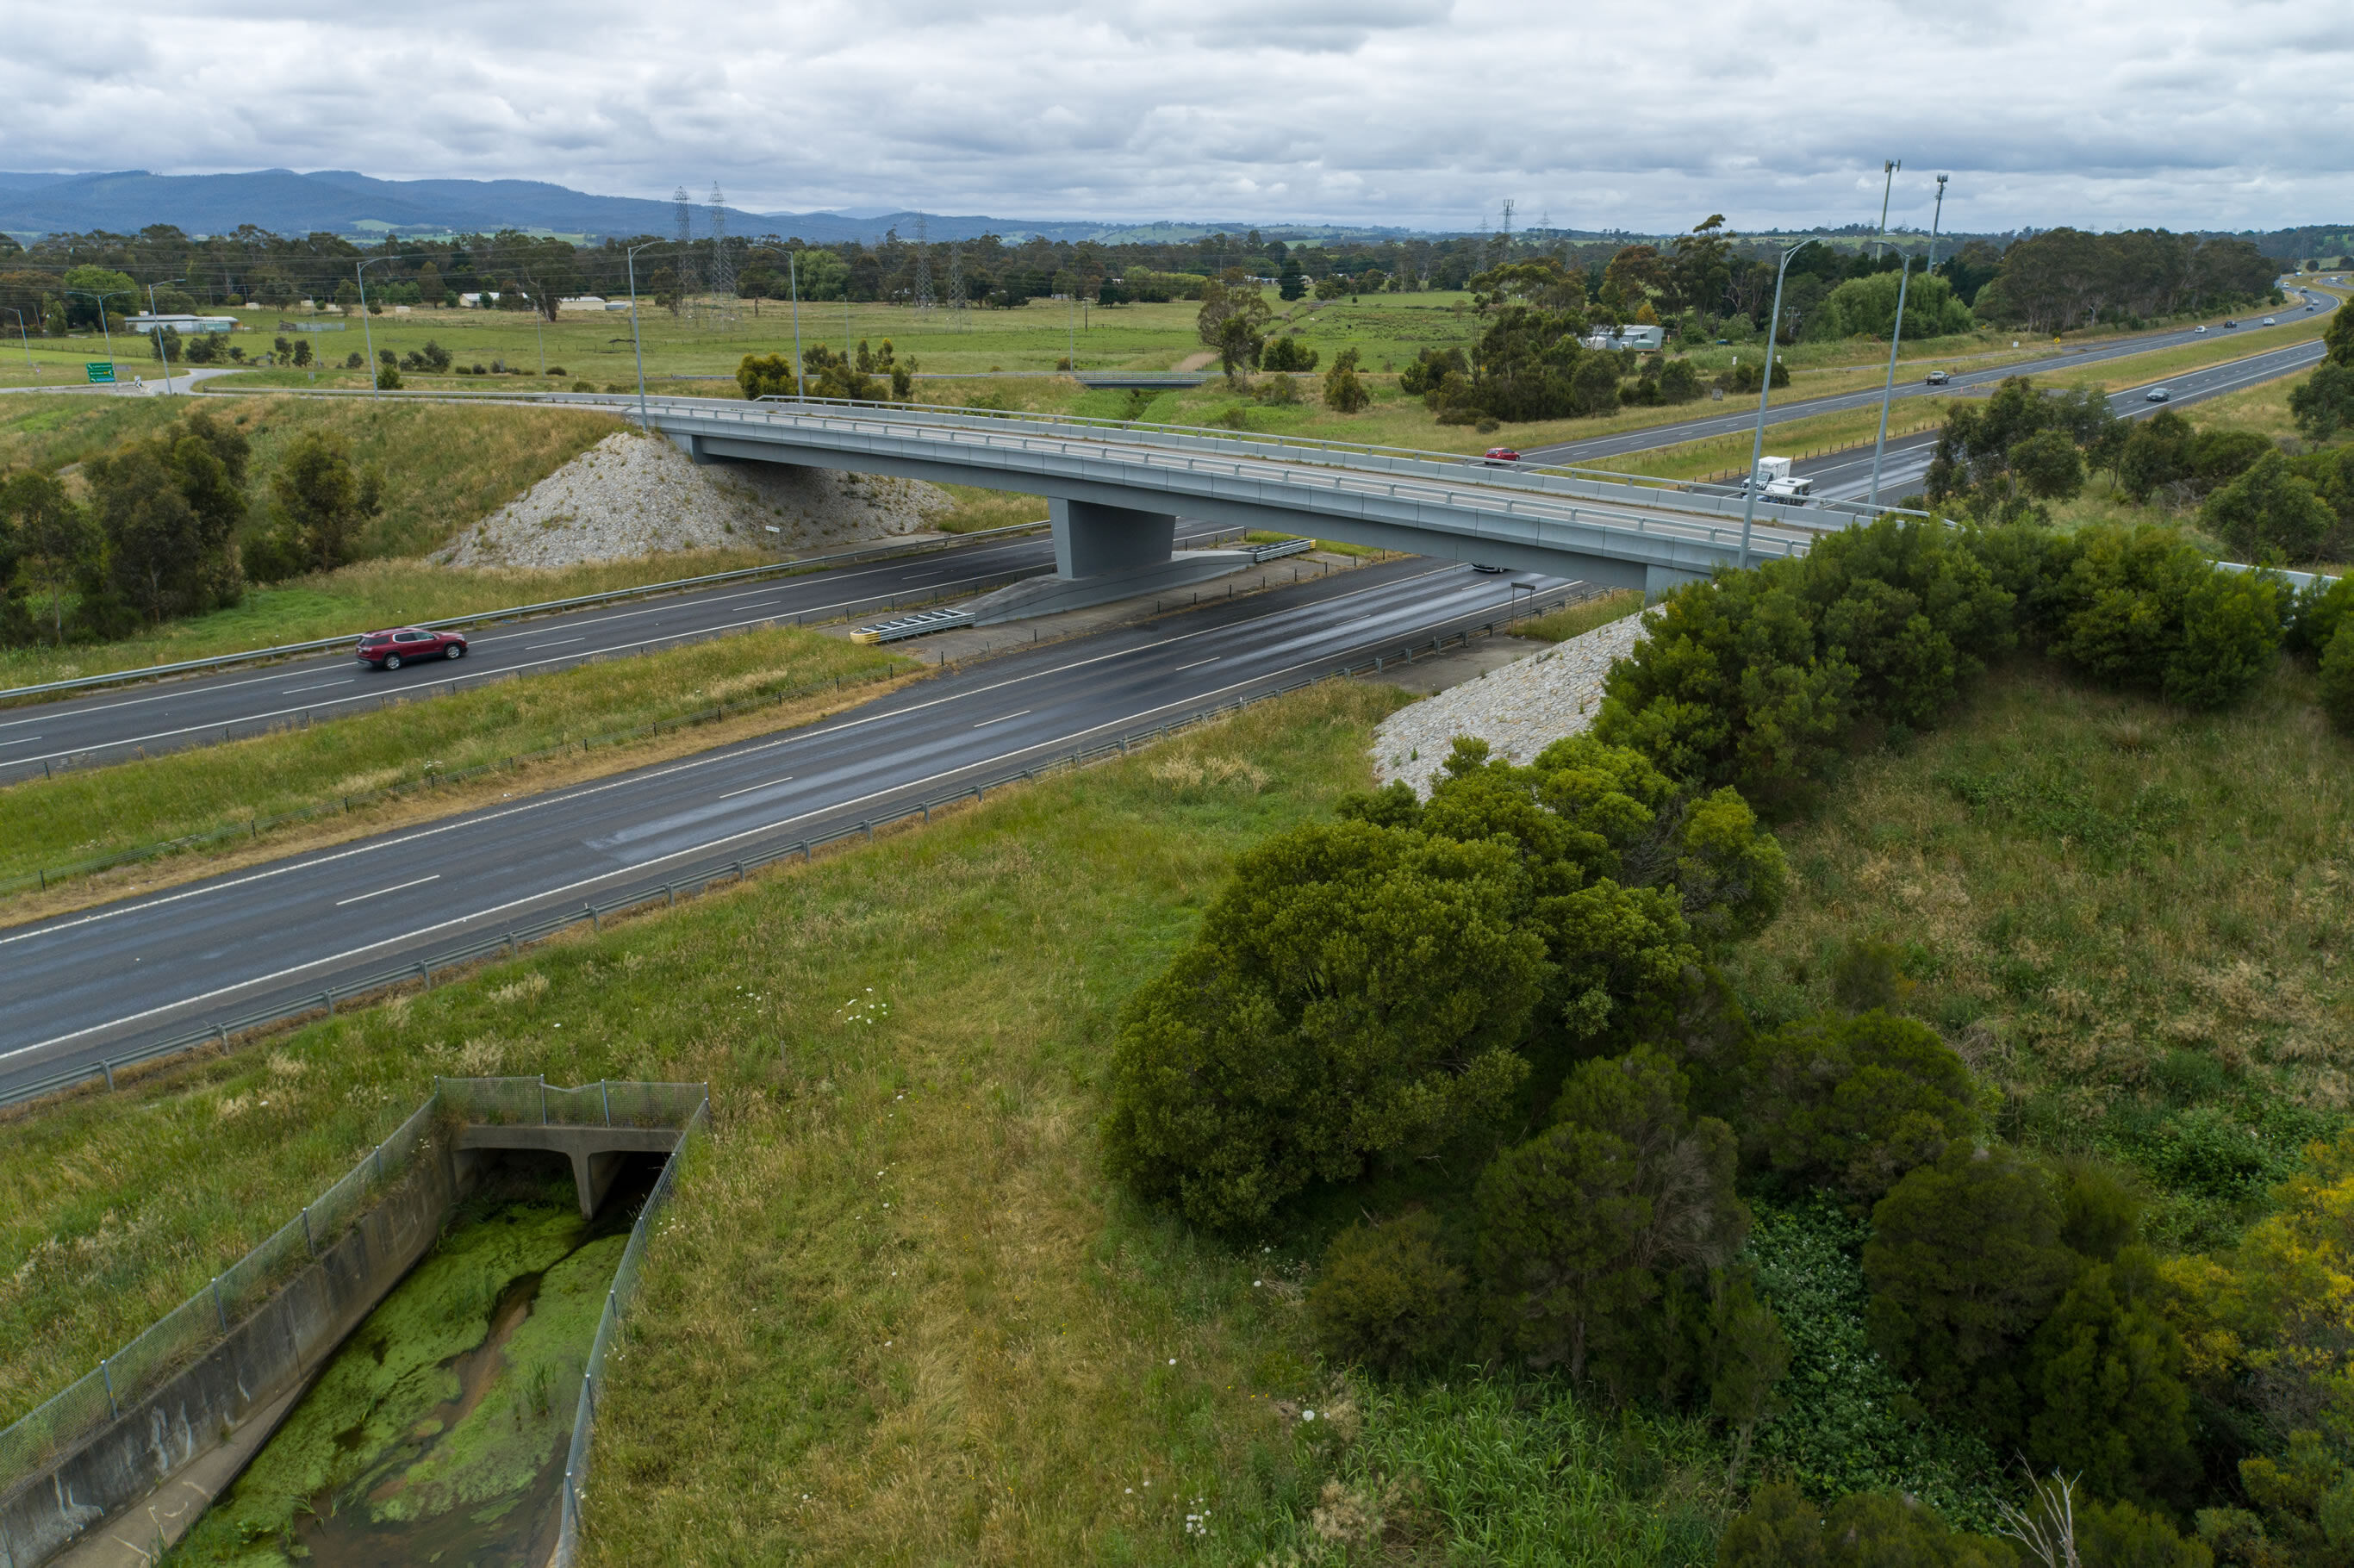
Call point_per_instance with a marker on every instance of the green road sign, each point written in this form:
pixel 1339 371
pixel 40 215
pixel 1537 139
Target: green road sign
pixel 99 372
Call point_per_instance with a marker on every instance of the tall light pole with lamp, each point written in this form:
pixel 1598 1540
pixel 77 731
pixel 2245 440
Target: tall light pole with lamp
pixel 162 353
pixel 103 325
pixel 367 331
pixel 1888 167
pixel 23 340
pixel 1765 390
pixel 637 342
pixel 1933 227
pixel 1896 337
pixel 793 281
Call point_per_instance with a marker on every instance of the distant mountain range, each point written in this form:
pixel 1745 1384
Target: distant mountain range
pixel 338 201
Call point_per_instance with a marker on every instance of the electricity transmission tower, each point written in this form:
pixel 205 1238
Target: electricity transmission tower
pixel 723 269
pixel 683 269
pixel 923 267
pixel 956 286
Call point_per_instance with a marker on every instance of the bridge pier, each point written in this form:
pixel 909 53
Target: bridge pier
pixel 1103 553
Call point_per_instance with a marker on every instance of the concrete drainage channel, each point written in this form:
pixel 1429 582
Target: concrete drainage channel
pixel 351 1293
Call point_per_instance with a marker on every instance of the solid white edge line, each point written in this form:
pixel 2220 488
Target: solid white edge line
pixel 695 849
pixel 396 887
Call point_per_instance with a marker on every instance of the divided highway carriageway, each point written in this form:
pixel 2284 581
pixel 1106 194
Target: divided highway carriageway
pixel 79 988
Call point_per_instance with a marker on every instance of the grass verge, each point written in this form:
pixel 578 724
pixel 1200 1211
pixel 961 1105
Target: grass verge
pixel 377 760
pixel 1576 620
pixel 2132 921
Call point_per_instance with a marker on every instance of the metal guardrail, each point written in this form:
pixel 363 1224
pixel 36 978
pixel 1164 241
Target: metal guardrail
pixel 1262 554
pixel 514 612
pixel 510 938
pixel 623 1290
pixel 905 626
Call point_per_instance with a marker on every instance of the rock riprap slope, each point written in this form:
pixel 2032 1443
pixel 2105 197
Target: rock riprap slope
pixel 1519 708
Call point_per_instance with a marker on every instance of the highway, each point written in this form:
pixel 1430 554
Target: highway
pixel 199 710
pixel 1847 476
pixel 75 986
pixel 1744 416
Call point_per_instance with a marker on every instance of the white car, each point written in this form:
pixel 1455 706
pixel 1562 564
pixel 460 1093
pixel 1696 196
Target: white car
pixel 2269 322
pixel 2199 329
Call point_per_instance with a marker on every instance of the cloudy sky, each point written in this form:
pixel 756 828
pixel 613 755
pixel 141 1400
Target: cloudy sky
pixel 1425 113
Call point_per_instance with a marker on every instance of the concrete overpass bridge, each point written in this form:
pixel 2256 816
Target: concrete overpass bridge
pixel 1116 491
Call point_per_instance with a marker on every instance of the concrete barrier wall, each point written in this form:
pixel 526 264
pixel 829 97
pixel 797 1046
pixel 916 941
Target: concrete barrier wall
pixel 263 1358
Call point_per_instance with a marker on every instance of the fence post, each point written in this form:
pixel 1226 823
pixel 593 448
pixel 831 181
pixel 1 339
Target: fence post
pixel 108 1068
pixel 594 923
pixel 308 1243
pixel 380 1164
pixel 112 1409
pixel 606 1086
pixel 543 1099
pixel 329 998
pixel 218 1311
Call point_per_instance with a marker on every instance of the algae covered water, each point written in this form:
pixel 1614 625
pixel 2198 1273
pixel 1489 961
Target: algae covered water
pixel 437 1433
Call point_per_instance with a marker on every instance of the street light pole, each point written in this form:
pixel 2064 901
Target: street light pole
pixel 1896 337
pixel 1939 213
pixel 1888 167
pixel 22 339
pixel 102 323
pixel 375 379
pixel 793 281
pixel 1765 390
pixel 637 339
pixel 162 353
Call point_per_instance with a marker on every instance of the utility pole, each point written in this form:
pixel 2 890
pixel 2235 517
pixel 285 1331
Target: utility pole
pixel 1888 167
pixel 1896 337
pixel 23 341
pixel 161 350
pixel 793 278
pixel 637 340
pixel 1932 225
pixel 103 325
pixel 367 331
pixel 1765 390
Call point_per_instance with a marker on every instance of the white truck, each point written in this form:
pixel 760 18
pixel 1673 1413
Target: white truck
pixel 1775 483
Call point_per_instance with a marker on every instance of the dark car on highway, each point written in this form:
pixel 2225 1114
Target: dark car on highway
pixel 1937 378
pixel 407 645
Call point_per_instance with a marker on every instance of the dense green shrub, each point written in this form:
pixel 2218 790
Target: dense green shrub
pixel 1388 1296
pixel 2143 608
pixel 1995 460
pixel 1965 1262
pixel 1781 1528
pixel 1597 1238
pixel 1288 353
pixel 1853 1104
pixel 2338 679
pixel 1355 993
pixel 2323 605
pixel 2105 1375
pixel 2269 512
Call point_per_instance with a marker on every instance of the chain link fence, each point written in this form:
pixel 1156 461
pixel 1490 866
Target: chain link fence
pixel 609 1330
pixel 30 1444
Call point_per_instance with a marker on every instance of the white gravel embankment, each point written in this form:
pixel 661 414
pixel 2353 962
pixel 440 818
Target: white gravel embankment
pixel 631 496
pixel 1519 708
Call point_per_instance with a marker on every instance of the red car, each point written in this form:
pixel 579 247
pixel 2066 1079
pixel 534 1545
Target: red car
pixel 407 645
pixel 1502 455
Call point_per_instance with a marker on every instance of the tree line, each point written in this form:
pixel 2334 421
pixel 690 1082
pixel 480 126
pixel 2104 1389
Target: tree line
pixel 168 526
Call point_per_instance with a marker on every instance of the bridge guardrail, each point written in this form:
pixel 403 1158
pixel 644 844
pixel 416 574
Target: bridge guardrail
pixel 510 939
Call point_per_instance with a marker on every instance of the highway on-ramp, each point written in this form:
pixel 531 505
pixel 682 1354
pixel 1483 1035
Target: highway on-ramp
pixel 77 988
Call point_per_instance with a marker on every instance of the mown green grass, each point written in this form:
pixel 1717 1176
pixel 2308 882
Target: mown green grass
pixel 2119 912
pixel 79 815
pixel 1576 620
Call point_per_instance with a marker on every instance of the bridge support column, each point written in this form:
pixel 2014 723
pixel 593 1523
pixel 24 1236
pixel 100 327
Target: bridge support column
pixel 1104 553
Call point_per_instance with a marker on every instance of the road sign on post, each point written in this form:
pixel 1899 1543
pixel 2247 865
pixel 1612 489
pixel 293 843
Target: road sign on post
pixel 101 373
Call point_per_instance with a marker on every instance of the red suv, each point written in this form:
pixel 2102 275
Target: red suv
pixel 407 645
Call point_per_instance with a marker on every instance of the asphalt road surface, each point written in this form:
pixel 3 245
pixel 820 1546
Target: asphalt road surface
pixel 79 987
pixel 110 725
pixel 1744 416
pixel 1847 476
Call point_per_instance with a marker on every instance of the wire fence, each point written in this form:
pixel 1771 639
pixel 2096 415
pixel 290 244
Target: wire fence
pixel 121 1381
pixel 609 1333
pixel 510 939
